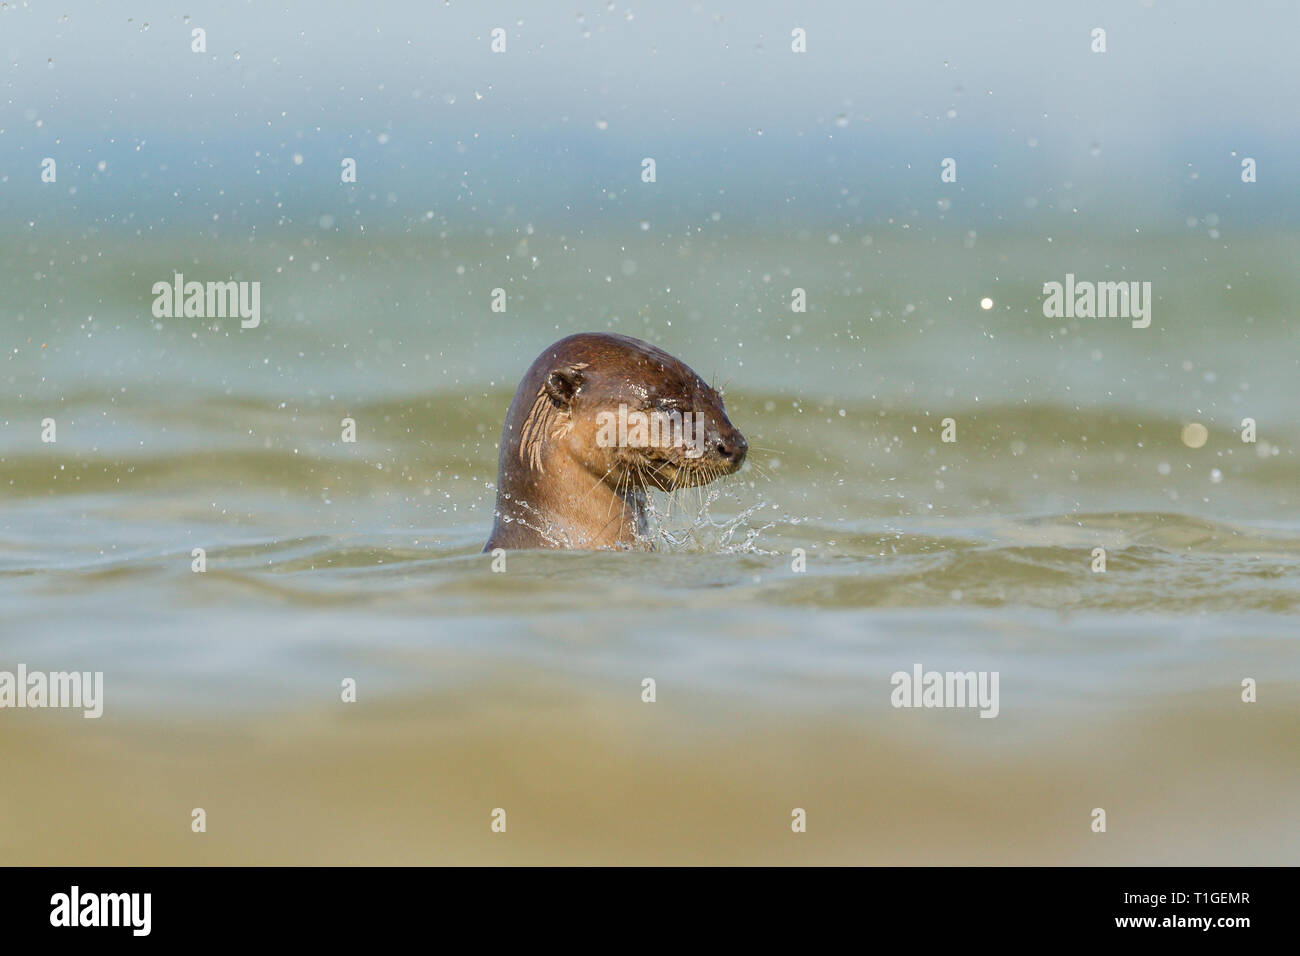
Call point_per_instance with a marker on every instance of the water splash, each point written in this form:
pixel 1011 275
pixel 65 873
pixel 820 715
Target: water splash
pixel 701 531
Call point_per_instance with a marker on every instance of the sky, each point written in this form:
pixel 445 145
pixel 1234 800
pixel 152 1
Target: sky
pixel 147 133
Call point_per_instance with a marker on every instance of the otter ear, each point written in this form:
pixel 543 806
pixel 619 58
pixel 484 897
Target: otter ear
pixel 562 383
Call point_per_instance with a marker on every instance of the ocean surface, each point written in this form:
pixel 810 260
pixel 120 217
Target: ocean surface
pixel 523 691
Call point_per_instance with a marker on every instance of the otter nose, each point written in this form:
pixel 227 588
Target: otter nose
pixel 733 448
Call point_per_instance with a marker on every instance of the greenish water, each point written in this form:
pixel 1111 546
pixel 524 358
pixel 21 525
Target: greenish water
pixel 328 560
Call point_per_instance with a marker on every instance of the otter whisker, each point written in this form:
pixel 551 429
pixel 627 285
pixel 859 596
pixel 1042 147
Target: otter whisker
pixel 618 517
pixel 599 481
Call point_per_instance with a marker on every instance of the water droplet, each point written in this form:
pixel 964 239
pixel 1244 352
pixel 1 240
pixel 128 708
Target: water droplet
pixel 1195 435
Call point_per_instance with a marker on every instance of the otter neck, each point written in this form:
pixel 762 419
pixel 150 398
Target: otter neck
pixel 565 506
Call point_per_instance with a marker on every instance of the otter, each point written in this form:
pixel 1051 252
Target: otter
pixel 597 421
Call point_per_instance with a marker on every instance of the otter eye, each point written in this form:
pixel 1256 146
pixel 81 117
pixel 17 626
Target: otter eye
pixel 665 404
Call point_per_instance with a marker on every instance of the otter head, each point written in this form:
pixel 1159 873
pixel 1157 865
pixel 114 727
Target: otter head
pixel 632 416
pixel 603 411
